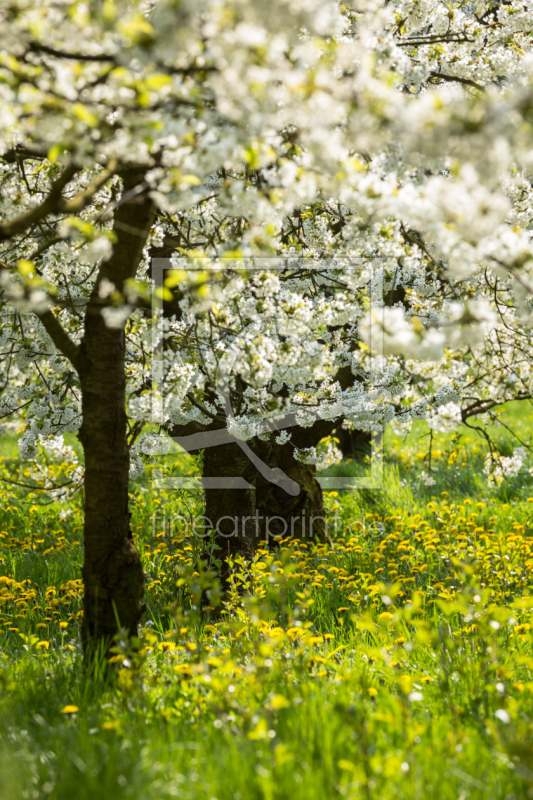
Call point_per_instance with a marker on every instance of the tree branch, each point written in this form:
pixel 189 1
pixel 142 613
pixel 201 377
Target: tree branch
pixel 36 47
pixel 59 336
pixel 422 40
pixel 48 206
pixel 455 79
pixel 131 226
pixel 54 203
pixel 21 152
pixel 78 203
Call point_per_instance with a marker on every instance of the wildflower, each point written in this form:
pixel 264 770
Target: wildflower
pixel 278 701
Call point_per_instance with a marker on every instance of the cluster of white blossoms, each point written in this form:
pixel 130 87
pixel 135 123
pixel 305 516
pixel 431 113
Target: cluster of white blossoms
pixel 320 459
pixel 445 418
pixel 498 467
pixel 427 478
pixel 41 471
pixel 148 444
pixel 343 198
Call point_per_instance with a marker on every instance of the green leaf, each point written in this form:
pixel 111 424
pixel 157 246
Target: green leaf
pixel 138 30
pixel 163 293
pixel 25 267
pixel 191 179
pixel 157 81
pixel 174 277
pixel 81 225
pixel 55 152
pixel 83 113
pixel 29 640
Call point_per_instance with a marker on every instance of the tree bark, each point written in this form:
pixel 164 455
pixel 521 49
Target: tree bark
pixel 264 512
pixel 281 514
pixel 230 512
pixel 353 443
pixel 112 572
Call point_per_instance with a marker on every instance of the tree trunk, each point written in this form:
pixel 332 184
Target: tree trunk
pixel 113 576
pixel 276 513
pixel 230 512
pixel 281 514
pixel 264 512
pixel 112 572
pixel 353 443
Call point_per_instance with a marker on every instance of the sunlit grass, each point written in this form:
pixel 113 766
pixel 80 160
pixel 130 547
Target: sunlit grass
pixel 394 662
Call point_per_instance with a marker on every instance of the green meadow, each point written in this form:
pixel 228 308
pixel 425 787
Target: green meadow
pixel 394 661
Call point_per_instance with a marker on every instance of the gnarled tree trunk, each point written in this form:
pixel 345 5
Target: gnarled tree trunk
pixel 230 512
pixel 264 512
pixel 260 510
pixel 300 516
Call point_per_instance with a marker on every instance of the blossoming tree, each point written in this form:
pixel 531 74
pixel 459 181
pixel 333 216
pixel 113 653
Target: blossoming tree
pixel 313 174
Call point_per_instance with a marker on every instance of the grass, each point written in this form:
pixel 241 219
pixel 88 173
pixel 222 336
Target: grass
pixel 395 663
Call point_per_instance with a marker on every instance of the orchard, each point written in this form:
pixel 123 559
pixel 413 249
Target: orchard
pixel 266 310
